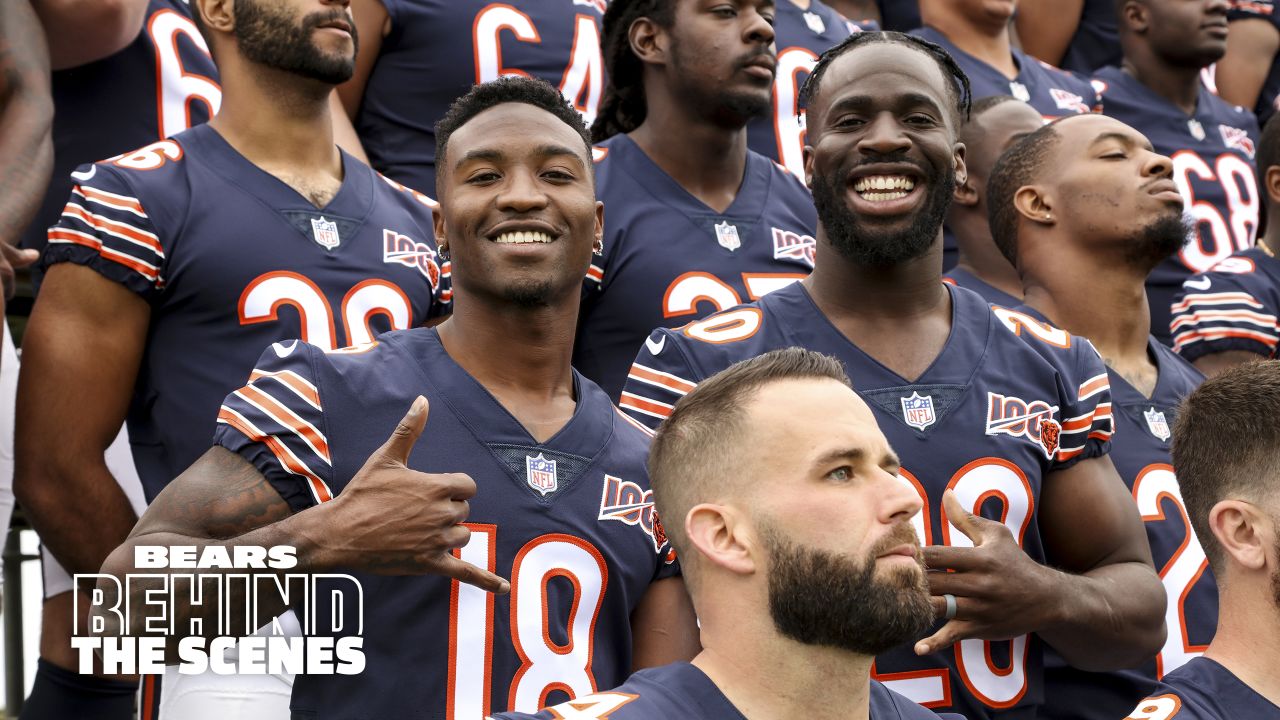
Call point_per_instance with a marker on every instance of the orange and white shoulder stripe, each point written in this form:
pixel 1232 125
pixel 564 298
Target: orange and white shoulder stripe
pixel 660 379
pixel 595 273
pixel 109 199
pixel 124 231
pixel 67 235
pixel 1183 339
pixel 642 428
pixel 652 408
pixel 299 385
pixel 287 418
pixel 288 459
pixel 1093 386
pixel 1211 299
pixel 1211 317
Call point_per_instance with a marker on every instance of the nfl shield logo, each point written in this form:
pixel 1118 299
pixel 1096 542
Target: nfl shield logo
pixel 1196 129
pixel 1156 422
pixel 727 236
pixel 1020 91
pixel 917 410
pixel 325 232
pixel 815 23
pixel 541 473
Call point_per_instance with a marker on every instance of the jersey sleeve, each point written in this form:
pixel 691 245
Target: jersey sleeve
pixel 661 374
pixel 1220 312
pixel 1087 422
pixel 1253 9
pixel 276 422
pixel 105 227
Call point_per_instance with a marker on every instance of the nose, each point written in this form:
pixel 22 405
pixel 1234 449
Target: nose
pixel 758 29
pixel 901 502
pixel 1217 7
pixel 521 192
pixel 1158 165
pixel 884 136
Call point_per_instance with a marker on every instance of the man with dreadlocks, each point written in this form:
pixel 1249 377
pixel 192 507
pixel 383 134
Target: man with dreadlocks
pixel 1005 438
pixel 696 222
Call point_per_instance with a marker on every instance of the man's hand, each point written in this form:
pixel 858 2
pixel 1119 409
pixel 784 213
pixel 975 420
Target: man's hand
pixel 999 589
pixel 12 258
pixel 393 520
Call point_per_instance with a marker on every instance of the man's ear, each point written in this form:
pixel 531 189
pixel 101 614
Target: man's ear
pixel 807 156
pixel 966 193
pixel 962 170
pixel 598 245
pixel 1136 16
pixel 721 537
pixel 1032 203
pixel 217 15
pixel 648 41
pixel 1243 531
pixel 1271 183
pixel 440 229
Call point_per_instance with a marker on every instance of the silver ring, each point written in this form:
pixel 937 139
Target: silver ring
pixel 951 606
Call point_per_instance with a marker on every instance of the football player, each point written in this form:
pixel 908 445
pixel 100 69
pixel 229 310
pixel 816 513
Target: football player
pixel 1017 427
pixel 697 222
pixel 1158 89
pixel 417 56
pixel 172 265
pixel 1243 75
pixel 994 123
pixel 1085 209
pixel 1075 35
pixel 803 30
pixel 1228 315
pixel 1226 448
pixel 782 499
pixel 555 483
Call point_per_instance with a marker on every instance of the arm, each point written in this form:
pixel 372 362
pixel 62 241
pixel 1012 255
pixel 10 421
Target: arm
pixel 81 353
pixel 1215 363
pixel 26 118
pixel 1252 44
pixel 82 31
pixel 664 626
pixel 1047 26
pixel 389 519
pixel 372 24
pixel 1102 610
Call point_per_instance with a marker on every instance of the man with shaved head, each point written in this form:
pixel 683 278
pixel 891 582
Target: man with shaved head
pixel 1085 209
pixel 1017 429
pixel 994 124
pixel 781 497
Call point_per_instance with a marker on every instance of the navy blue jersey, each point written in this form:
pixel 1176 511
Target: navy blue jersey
pixel 967 280
pixel 437 49
pixel 160 84
pixel 1233 306
pixel 899 15
pixel 800 36
pixel 1213 166
pixel 569 521
pixel 681 691
pixel 669 259
pixel 231 259
pixel 1096 43
pixel 1204 690
pixel 1052 92
pixel 991 418
pixel 1140 453
pixel 1262 10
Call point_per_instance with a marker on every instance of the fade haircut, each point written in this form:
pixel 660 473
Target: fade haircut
pixel 957 86
pixel 623 106
pixel 1018 166
pixel 530 91
pixel 1268 150
pixel 1226 445
pixel 702 439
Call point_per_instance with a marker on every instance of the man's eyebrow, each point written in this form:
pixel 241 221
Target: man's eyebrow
pixel 551 150
pixel 1122 138
pixel 858 101
pixel 547 150
pixel 479 155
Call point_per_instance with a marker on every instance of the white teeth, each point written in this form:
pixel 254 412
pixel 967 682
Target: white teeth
pixel 884 182
pixel 883 196
pixel 522 237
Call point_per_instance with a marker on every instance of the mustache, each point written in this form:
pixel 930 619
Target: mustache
pixel 903 534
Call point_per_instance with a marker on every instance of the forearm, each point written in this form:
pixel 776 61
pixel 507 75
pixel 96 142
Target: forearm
pixel 26 118
pixel 1109 618
pixel 80 513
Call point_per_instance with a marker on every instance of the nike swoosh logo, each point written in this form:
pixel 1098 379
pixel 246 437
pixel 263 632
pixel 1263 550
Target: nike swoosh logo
pixel 86 175
pixel 1202 285
pixel 284 350
pixel 655 348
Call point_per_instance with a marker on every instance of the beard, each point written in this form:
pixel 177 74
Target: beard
pixel 268 36
pixel 1161 238
pixel 826 599
pixel 529 295
pixel 863 245
pixel 728 107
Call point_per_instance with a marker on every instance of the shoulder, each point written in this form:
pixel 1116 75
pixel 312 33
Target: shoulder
pixel 415 201
pixel 783 182
pixel 1056 346
pixel 889 705
pixel 645 695
pixel 1199 690
pixel 150 175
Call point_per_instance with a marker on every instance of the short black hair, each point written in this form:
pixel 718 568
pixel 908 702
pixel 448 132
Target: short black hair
pixel 983 104
pixel 623 107
pixel 1226 445
pixel 958 89
pixel 1268 150
pixel 1018 166
pixel 530 91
